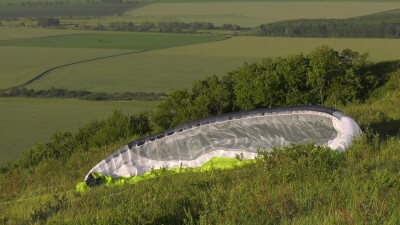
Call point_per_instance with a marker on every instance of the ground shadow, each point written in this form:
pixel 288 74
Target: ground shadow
pixel 387 128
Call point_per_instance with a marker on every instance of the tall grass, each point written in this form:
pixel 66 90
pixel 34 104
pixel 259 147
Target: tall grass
pixel 296 185
pixel 301 184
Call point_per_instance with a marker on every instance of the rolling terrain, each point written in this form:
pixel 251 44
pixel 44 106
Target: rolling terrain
pixel 359 185
pixel 76 58
pixel 50 144
pixel 251 14
pixel 19 67
pixel 65 49
pixel 159 70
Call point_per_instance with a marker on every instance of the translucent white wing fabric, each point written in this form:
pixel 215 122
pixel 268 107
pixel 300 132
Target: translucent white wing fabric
pixel 194 143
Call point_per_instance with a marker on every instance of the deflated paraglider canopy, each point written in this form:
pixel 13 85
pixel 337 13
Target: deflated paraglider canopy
pixel 228 135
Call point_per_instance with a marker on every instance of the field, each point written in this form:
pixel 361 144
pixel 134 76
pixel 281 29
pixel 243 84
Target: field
pixel 299 185
pixel 19 67
pixel 63 10
pixel 27 121
pixel 252 14
pixel 109 40
pixel 8 33
pixel 170 61
pixel 162 70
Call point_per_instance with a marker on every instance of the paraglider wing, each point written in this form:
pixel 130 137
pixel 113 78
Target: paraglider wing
pixel 228 135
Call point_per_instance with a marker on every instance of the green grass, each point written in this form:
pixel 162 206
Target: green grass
pixel 7 33
pixel 23 60
pixel 252 14
pixel 298 185
pixel 25 121
pixel 20 64
pixel 132 41
pixel 146 72
pixel 162 70
pixel 66 10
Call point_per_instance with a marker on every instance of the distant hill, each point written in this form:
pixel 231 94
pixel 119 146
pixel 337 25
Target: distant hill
pixel 380 25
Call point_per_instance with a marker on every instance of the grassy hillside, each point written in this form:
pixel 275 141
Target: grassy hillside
pixel 298 185
pixel 318 188
pixel 301 185
pixel 162 70
pixel 379 25
pixel 28 121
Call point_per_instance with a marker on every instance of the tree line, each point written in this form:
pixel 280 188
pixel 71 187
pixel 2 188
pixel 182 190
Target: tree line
pixel 83 95
pixel 323 77
pixel 386 25
pixel 163 27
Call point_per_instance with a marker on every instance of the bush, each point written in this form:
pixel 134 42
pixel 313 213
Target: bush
pixel 48 22
pixel 324 77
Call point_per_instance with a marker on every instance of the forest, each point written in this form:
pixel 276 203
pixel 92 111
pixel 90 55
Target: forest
pixel 382 25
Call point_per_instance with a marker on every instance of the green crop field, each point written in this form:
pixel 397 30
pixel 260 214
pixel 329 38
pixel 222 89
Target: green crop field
pixel 155 71
pixel 251 14
pixel 379 49
pixel 22 63
pixel 128 40
pixel 25 121
pixel 162 70
pixel 8 33
pixel 62 10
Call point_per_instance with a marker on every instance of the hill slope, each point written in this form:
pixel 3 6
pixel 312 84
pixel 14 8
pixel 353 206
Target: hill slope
pixel 300 185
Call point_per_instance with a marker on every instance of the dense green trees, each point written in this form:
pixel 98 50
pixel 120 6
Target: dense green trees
pixel 163 27
pixel 121 26
pixel 229 26
pixel 382 25
pixel 48 22
pixel 324 64
pixel 208 96
pixel 325 77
